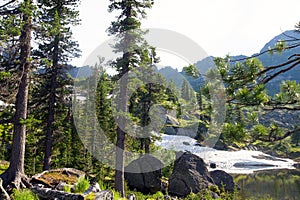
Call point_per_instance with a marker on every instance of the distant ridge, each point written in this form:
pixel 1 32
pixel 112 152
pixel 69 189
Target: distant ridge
pixel 203 65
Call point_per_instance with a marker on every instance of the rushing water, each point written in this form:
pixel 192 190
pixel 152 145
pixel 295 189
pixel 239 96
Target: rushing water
pixel 259 175
pixel 233 162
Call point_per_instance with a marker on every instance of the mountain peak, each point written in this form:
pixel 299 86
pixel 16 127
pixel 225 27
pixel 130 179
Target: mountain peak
pixel 287 35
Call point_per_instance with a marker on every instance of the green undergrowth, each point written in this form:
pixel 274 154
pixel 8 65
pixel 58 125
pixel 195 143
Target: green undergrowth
pixel 82 185
pixel 24 194
pixel 3 166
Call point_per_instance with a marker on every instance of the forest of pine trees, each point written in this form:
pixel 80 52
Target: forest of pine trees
pixel 38 123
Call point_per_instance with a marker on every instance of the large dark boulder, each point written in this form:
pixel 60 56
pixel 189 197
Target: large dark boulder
pixel 223 179
pixel 144 174
pixel 189 175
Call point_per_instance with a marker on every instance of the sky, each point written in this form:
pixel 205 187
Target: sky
pixel 220 27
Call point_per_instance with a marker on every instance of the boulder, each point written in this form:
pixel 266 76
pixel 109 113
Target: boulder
pixel 190 132
pixel 297 165
pixel 144 174
pixel 94 188
pixel 104 195
pixel 50 185
pixel 213 165
pixel 170 130
pixel 54 178
pixel 49 194
pixel 131 197
pixel 189 175
pixel 170 198
pixel 171 120
pixel 220 146
pixel 221 178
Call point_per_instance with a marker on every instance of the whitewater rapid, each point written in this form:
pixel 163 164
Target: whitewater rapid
pixel 234 162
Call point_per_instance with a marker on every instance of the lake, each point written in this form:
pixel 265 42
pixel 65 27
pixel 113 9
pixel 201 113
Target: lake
pixel 275 184
pixel 259 175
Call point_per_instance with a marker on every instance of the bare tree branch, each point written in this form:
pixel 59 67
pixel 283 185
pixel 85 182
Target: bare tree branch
pixel 6 121
pixel 276 138
pixel 10 12
pixel 282 108
pixel 267 51
pixel 6 4
pixel 266 80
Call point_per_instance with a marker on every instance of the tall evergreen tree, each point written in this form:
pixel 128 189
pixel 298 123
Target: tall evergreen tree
pixel 21 13
pixel 185 90
pixel 56 48
pixel 131 44
pixel 149 93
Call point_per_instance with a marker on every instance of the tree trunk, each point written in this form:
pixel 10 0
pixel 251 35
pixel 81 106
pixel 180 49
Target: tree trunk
pixel 120 145
pixel 15 173
pixel 51 108
pixel 119 174
pixel 147 145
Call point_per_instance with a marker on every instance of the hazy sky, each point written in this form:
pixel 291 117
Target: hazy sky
pixel 218 26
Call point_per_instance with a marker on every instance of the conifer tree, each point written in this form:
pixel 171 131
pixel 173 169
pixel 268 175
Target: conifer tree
pixel 19 15
pixel 185 90
pixel 131 44
pixel 56 49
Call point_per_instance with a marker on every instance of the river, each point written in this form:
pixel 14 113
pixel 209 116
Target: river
pixel 259 175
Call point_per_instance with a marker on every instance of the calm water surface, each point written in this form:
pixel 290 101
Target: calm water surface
pixel 273 184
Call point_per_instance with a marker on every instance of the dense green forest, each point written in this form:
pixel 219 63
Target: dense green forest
pixel 40 117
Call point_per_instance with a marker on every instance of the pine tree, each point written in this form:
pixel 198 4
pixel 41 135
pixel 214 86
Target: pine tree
pixel 22 14
pixel 56 48
pixel 127 28
pixel 185 90
pixel 150 92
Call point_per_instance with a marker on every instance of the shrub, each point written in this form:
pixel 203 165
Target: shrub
pixel 24 194
pixel 67 188
pixel 82 185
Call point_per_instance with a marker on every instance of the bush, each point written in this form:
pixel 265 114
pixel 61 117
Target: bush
pixel 25 194
pixel 104 186
pixel 67 188
pixel 82 185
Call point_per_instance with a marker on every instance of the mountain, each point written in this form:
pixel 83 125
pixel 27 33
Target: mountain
pixel 172 74
pixel 267 59
pixel 203 65
pixel 81 72
pixel 279 58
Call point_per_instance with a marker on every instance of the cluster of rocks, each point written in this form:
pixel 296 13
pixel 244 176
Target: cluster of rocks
pixel 189 174
pixel 52 188
pixel 172 127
